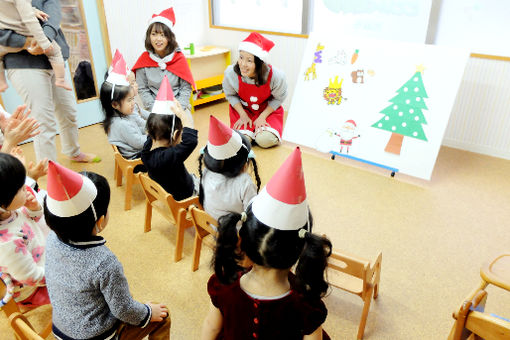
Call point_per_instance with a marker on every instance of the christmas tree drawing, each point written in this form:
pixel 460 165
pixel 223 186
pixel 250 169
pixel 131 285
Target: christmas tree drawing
pixel 404 117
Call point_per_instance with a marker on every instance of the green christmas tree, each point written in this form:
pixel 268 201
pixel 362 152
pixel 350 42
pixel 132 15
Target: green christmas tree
pixel 404 117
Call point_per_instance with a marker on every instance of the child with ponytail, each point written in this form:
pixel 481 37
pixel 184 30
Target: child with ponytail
pixel 268 301
pixel 225 184
pixel 171 141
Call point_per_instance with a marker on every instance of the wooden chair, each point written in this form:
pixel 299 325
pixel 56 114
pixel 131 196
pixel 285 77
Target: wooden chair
pixel 357 276
pixel 124 167
pixel 204 225
pixel 174 211
pixel 22 328
pixel 471 322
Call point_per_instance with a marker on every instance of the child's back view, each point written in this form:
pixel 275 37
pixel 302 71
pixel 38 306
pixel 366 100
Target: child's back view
pixel 172 139
pixel 268 301
pixel 88 290
pixel 225 184
pixel 21 17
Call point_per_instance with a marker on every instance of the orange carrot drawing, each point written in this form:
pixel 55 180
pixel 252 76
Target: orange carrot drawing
pixel 354 57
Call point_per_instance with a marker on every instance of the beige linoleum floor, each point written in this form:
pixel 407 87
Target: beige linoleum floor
pixel 434 236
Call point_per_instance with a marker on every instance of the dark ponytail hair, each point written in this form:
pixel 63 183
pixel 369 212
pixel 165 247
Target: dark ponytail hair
pixel 230 167
pixel 105 95
pixel 272 248
pixel 161 127
pixel 260 71
pixel 12 178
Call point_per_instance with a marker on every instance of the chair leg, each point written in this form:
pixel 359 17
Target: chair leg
pixel 115 165
pixel 179 243
pixel 364 315
pixel 47 330
pixel 148 216
pixel 197 247
pixel 119 176
pixel 129 188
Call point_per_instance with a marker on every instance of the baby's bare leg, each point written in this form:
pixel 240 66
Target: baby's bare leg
pixel 58 66
pixel 3 51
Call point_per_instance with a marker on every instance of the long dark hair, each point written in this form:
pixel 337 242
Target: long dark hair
pixel 79 228
pixel 12 178
pixel 230 167
pixel 271 248
pixel 160 28
pixel 105 95
pixel 260 71
pixel 161 126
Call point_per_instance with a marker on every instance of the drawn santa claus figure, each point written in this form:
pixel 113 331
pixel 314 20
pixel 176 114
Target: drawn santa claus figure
pixel 347 133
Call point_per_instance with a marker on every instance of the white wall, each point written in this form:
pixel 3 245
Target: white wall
pixel 127 25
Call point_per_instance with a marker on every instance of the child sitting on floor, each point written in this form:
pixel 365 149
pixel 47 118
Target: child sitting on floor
pixel 124 121
pixel 22 234
pixel 268 301
pixel 171 140
pixel 88 290
pixel 225 184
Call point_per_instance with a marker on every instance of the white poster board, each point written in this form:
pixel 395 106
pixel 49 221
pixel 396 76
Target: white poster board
pixel 404 20
pixel 353 95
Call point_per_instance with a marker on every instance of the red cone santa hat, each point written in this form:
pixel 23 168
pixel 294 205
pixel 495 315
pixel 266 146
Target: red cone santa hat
pixel 281 204
pixel 257 45
pixel 165 98
pixel 69 193
pixel 167 18
pixel 223 142
pixel 117 74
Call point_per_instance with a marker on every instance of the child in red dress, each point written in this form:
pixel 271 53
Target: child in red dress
pixel 268 301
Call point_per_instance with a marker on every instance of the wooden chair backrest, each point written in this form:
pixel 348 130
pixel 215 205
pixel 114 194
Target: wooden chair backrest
pixel 123 161
pixel 154 191
pixel 22 327
pixel 349 265
pixel 203 221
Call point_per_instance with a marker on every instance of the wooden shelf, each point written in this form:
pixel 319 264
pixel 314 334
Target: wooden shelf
pixel 208 65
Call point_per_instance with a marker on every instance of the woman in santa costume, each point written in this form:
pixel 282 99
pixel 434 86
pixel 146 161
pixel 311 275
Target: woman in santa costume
pixel 255 91
pixel 163 57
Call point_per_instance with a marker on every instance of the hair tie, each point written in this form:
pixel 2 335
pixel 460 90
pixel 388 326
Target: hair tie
pixel 202 150
pixel 251 154
pixel 244 216
pixel 302 233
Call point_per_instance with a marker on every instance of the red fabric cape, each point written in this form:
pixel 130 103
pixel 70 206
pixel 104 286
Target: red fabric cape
pixel 178 66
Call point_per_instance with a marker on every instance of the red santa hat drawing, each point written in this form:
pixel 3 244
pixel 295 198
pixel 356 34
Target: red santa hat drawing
pixel 257 45
pixel 223 142
pixel 165 99
pixel 167 18
pixel 350 123
pixel 69 193
pixel 281 204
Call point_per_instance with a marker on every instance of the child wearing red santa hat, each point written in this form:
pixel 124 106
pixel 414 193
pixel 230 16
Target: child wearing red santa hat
pixel 171 141
pixel 88 290
pixel 163 57
pixel 225 184
pixel 255 91
pixel 268 301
